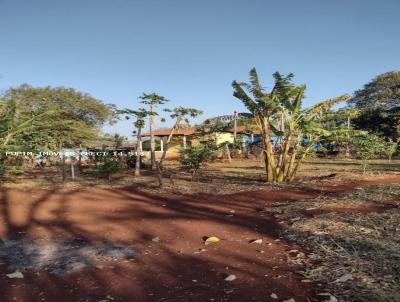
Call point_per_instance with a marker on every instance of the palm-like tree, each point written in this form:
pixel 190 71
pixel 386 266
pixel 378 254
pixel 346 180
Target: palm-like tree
pixel 153 100
pixel 288 131
pixel 139 116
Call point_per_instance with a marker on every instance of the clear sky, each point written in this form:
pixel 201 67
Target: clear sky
pixel 191 50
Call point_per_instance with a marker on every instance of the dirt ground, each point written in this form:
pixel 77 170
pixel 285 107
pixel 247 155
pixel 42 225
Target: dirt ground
pixel 167 232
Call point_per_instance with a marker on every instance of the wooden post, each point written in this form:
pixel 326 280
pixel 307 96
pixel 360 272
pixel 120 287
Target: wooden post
pixel 161 145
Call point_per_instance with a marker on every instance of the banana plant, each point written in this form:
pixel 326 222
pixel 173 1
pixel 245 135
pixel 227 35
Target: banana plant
pixel 288 131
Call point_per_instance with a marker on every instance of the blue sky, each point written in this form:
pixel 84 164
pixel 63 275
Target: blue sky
pixel 190 51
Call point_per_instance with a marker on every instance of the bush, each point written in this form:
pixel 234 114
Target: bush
pixel 109 167
pixel 2 170
pixel 368 147
pixel 196 157
pixel 131 161
pixel 16 171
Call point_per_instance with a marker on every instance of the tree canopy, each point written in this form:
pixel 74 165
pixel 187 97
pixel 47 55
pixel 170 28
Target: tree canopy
pixel 47 117
pixel 383 91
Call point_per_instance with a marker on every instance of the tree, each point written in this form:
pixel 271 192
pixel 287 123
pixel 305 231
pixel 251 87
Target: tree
pixel 50 118
pixel 288 131
pixel 339 123
pixel 13 124
pixel 118 140
pixel 75 116
pixel 139 115
pixel 368 147
pixel 379 121
pixel 153 100
pixel 382 92
pixel 179 114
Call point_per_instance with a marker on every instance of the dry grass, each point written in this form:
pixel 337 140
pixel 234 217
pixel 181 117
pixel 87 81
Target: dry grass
pixel 218 178
pixel 365 246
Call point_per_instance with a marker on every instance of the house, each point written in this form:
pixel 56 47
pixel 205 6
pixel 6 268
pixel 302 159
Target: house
pixel 184 137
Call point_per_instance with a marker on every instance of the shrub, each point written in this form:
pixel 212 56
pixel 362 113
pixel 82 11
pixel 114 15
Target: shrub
pixel 196 157
pixel 367 148
pixel 109 167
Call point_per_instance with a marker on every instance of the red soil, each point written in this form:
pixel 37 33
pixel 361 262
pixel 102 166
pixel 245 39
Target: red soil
pixel 168 270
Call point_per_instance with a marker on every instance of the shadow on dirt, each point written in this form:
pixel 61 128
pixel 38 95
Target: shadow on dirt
pixel 168 270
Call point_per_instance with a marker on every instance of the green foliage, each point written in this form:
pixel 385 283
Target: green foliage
pixel 182 114
pixel 118 140
pixel 16 171
pixel 368 147
pixel 179 114
pixel 195 157
pixel 383 92
pixel 110 166
pixel 278 113
pixel 152 99
pixel 379 121
pixel 3 169
pixel 138 116
pixel 75 105
pixel 48 117
pixel 130 161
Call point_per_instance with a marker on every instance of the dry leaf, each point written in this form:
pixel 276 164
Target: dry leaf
pixel 344 278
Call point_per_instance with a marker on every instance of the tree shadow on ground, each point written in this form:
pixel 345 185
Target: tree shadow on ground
pixel 174 269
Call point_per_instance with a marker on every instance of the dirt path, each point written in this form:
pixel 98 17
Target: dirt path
pixel 173 269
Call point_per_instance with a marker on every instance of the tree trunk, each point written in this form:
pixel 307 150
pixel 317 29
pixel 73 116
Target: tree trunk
pixel 138 152
pixel 268 155
pixel 72 170
pixel 299 162
pixel 64 170
pixel 168 141
pixel 292 160
pixel 159 175
pixel 281 155
pixel 348 139
pixel 228 152
pixel 184 142
pixel 152 140
pixel 234 125
pixel 80 159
